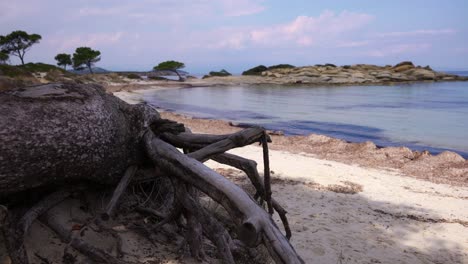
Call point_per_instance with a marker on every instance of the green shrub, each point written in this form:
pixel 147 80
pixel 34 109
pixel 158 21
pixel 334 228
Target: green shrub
pixel 133 76
pixel 281 66
pixel 157 78
pixel 220 73
pixel 255 70
pixel 40 67
pixel 13 71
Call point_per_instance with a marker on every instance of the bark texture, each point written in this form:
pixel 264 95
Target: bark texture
pixel 55 133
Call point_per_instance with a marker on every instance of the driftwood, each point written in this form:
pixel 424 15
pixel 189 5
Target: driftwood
pixel 57 135
pixel 119 190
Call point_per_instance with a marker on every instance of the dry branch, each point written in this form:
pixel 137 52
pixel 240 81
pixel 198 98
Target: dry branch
pixel 252 220
pixel 266 173
pixel 66 236
pixel 249 167
pixel 119 190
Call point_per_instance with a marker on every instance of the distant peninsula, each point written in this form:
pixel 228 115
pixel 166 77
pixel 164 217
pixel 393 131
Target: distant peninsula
pixel 330 74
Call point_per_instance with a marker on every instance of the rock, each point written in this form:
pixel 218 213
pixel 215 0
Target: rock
pixel 339 80
pixel 277 75
pixel 331 71
pixel 422 74
pixel 325 78
pixel 449 78
pixel 402 78
pixel 357 75
pixel 403 68
pixel 382 75
pixel 404 63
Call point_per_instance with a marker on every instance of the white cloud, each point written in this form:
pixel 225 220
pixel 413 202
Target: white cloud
pixel 422 32
pixel 399 49
pixel 302 31
pixel 64 43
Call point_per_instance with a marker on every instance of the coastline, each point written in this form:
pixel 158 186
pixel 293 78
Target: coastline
pixel 354 202
pixel 446 167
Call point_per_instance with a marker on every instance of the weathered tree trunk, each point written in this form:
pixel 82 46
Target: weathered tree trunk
pixel 62 134
pixel 54 133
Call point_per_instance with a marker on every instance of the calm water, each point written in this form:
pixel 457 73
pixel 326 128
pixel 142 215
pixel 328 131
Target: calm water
pixel 431 116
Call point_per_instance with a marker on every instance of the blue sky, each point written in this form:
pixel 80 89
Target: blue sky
pixel 238 34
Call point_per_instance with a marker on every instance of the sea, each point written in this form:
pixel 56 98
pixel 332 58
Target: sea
pixel 429 116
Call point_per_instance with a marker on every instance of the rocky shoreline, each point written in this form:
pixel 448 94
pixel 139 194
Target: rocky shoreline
pixel 444 168
pixel 329 74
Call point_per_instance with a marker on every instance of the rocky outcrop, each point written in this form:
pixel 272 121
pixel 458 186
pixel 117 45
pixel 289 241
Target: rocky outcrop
pixel 357 74
pixel 221 73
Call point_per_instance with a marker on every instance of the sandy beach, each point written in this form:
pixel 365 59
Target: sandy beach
pixel 391 218
pixel 346 203
pixel 356 203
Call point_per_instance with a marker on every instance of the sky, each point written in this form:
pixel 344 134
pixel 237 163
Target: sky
pixel 238 34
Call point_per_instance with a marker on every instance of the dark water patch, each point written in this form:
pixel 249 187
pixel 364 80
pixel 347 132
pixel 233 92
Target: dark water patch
pixel 429 116
pixel 209 112
pixel 426 104
pixel 351 133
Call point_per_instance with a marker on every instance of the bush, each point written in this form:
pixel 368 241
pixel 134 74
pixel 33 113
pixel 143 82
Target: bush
pixel 133 76
pixel 157 78
pixel 29 68
pixel 256 70
pixel 13 71
pixel 330 65
pixel 220 73
pixel 40 67
pixel 281 66
pixel 404 63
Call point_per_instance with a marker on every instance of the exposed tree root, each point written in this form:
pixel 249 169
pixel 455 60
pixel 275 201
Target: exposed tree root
pixel 14 232
pixel 254 224
pixel 68 132
pixel 119 190
pixel 250 169
pixel 197 141
pixel 74 240
pixel 266 174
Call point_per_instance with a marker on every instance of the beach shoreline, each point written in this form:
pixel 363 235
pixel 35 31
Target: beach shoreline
pixel 355 202
pixel 446 167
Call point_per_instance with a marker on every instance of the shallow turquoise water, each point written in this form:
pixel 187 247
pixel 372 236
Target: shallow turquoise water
pixel 430 116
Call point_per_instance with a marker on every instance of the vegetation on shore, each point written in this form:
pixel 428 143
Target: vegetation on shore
pixel 261 68
pixel 221 73
pixel 172 66
pixel 84 58
pixel 17 43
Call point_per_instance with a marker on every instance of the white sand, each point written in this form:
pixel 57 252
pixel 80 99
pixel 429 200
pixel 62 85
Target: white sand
pixel 360 228
pixel 369 227
pixel 395 219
